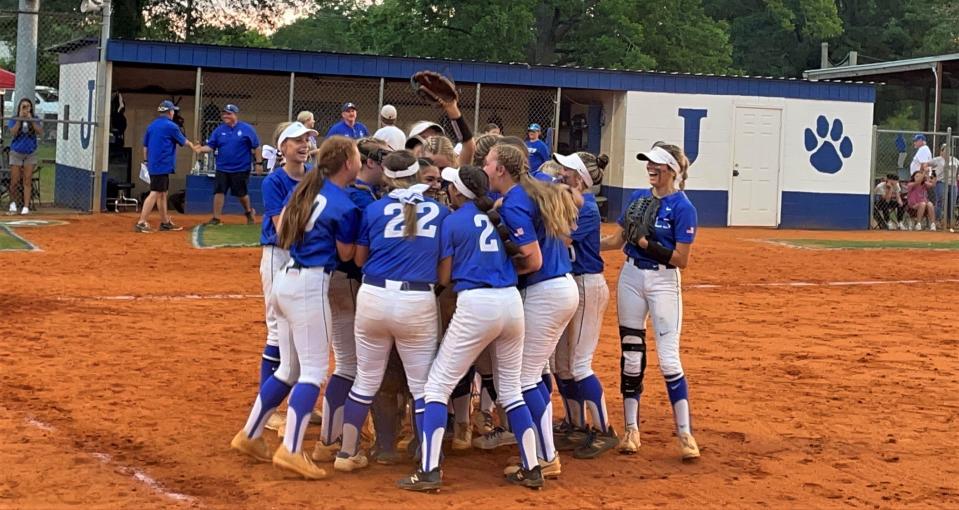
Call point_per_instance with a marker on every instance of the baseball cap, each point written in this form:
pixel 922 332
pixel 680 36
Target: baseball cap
pixel 573 161
pixel 348 106
pixel 388 112
pixel 452 175
pixel 167 105
pixel 232 108
pixel 423 125
pixel 294 130
pixel 919 136
pixel 661 156
pixel 534 127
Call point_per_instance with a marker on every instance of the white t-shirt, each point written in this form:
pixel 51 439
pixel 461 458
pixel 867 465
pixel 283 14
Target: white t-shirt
pixel 923 155
pixel 393 136
pixel 938 164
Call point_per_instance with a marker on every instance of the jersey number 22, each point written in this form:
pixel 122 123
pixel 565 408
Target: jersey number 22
pixel 394 227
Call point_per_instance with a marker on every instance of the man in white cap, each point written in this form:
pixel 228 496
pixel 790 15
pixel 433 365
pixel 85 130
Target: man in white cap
pixel 394 137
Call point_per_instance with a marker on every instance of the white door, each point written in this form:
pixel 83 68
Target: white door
pixel 754 197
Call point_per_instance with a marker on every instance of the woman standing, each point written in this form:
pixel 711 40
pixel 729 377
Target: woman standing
pixel 23 155
pixel 318 226
pixel 650 285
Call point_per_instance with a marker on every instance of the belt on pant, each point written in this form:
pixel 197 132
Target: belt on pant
pixel 648 266
pixel 296 265
pixel 396 284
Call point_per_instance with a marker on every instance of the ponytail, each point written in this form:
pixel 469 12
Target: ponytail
pixel 680 156
pixel 395 162
pixel 478 182
pixel 556 207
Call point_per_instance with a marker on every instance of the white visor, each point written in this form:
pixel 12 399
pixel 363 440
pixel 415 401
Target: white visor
pixel 574 162
pixel 660 156
pixel 294 130
pixel 452 175
pixel 421 126
pixel 398 174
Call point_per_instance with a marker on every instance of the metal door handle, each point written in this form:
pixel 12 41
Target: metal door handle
pixel 735 173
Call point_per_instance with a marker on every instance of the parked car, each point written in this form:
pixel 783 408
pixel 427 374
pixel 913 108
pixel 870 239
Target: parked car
pixel 47 102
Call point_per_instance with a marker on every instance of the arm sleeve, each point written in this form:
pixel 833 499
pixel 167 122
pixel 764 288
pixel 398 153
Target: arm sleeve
pixel 588 222
pixel 273 197
pixel 363 237
pixel 178 135
pixel 684 228
pixel 446 239
pixel 254 139
pixel 520 224
pixel 211 142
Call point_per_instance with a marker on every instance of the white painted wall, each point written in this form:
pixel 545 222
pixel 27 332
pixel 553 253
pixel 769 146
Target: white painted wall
pixel 77 149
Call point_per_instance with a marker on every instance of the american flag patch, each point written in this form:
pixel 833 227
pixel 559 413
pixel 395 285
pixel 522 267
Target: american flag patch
pixel 519 232
pixel 691 230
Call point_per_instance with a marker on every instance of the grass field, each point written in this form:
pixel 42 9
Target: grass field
pixel 226 236
pixel 9 241
pixel 878 244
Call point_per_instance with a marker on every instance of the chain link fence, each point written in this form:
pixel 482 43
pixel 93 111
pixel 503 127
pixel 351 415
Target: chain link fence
pixel 513 109
pixel 54 173
pixel 902 198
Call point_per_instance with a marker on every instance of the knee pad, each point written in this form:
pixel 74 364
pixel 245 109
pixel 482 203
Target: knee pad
pixel 632 362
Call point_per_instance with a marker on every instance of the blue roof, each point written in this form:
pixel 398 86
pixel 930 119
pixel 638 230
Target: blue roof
pixel 373 66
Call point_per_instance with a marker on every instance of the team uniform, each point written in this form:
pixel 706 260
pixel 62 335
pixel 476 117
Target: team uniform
pixel 539 153
pixel 234 148
pixel 648 288
pixel 303 318
pixel 395 304
pixel 549 300
pixel 356 131
pixel 161 139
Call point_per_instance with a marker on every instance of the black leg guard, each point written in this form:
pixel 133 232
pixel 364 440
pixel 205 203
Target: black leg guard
pixel 632 361
pixel 465 386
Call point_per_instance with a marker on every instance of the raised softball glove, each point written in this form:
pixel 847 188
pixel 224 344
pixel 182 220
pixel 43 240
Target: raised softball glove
pixel 433 87
pixel 640 218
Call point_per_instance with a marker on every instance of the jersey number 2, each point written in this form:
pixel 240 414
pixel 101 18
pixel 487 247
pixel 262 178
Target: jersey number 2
pixel 319 203
pixel 394 227
pixel 486 241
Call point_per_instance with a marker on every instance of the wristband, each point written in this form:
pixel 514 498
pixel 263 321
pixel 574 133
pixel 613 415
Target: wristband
pixel 658 252
pixel 461 130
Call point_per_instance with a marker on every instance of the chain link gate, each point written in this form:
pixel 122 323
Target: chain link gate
pixel 513 109
pixel 64 102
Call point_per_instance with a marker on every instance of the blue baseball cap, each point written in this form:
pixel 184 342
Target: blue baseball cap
pixel 232 108
pixel 534 127
pixel 167 105
pixel 919 136
pixel 348 106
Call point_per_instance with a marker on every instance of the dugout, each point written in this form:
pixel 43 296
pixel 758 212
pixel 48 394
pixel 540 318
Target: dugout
pixel 761 155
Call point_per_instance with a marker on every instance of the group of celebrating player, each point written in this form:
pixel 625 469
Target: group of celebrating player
pixel 423 266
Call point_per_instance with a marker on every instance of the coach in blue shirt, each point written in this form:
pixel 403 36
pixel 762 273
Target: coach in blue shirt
pixel 348 126
pixel 539 152
pixel 235 143
pixel 159 152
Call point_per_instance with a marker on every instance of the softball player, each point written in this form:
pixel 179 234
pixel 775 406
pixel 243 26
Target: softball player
pixel 574 354
pixel 539 217
pixel 489 312
pixel 398 249
pixel 318 225
pixel 650 284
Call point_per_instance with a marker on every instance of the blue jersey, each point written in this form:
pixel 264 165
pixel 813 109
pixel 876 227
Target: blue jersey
pixel 540 175
pixel 234 147
pixel 586 258
pixel 341 129
pixel 161 138
pixel 675 223
pixel 362 198
pixel 393 256
pixel 333 218
pixel 26 140
pixel 521 214
pixel 276 188
pixel 479 260
pixel 538 154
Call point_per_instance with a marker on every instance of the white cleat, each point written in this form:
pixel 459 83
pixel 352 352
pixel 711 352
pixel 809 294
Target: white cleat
pixel 688 446
pixel 462 436
pixel 630 442
pixel 348 464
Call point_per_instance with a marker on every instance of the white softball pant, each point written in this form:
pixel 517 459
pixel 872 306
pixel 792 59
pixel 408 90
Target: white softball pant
pixel 303 311
pixel 272 260
pixel 483 317
pixel 343 306
pixel 548 306
pixel 384 316
pixel 574 354
pixel 642 293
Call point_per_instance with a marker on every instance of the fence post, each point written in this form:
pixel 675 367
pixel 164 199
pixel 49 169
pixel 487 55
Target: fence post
pixel 950 184
pixel 289 107
pixel 476 111
pixel 101 153
pixel 559 95
pixel 197 109
pixel 872 173
pixel 379 118
pixel 27 22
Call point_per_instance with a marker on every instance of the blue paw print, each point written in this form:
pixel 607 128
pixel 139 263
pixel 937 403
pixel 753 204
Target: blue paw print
pixel 826 158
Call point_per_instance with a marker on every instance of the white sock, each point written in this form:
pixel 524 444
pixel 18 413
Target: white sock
pixel 631 412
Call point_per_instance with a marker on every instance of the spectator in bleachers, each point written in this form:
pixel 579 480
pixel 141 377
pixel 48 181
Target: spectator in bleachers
pixel 235 143
pixel 887 197
pixel 492 129
pixel 348 126
pixel 943 166
pixel 394 137
pixel 917 197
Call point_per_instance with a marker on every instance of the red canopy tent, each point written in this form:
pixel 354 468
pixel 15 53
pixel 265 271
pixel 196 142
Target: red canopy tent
pixel 7 79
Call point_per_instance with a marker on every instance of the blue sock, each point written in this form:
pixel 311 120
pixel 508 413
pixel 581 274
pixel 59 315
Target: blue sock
pixel 545 391
pixel 679 397
pixel 548 383
pixel 571 402
pixel 419 407
pixel 334 398
pixel 269 362
pixel 354 414
pixel 272 393
pixel 537 410
pixel 431 440
pixel 590 393
pixel 302 400
pixel 521 422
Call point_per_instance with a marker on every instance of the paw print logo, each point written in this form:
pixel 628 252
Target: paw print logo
pixel 827 154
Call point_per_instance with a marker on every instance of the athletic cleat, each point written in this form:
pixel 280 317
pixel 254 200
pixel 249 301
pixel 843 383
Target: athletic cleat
pixel 422 482
pixel 932 227
pixel 688 446
pixel 325 452
pixel 568 438
pixel 316 418
pixel 498 437
pixel 630 442
pixel 405 441
pixel 299 463
pixel 348 464
pixel 251 217
pixel 483 422
pixel 276 422
pixel 551 469
pixel 214 222
pixel 388 458
pixel 142 227
pixel 532 478
pixel 462 436
pixel 596 444
pixel 170 227
pixel 256 448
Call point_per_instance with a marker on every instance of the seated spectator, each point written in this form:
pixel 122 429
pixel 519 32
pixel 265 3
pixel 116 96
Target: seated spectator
pixel 887 197
pixel 918 200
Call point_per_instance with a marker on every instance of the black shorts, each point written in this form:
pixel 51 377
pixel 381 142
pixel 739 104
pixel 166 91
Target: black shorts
pixel 160 183
pixel 235 182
